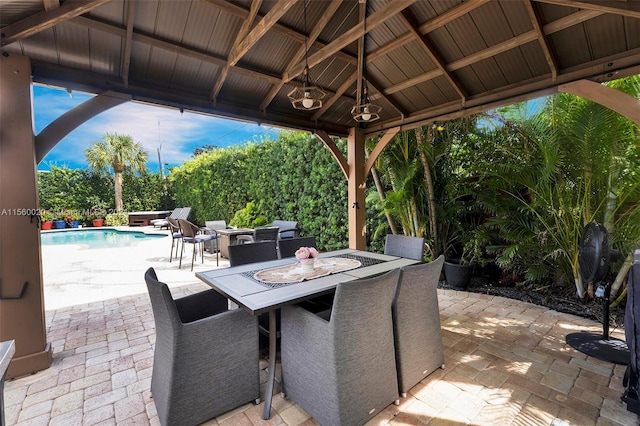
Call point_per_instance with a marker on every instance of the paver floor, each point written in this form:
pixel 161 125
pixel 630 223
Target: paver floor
pixel 506 361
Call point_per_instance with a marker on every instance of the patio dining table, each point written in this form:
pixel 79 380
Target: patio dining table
pixel 266 286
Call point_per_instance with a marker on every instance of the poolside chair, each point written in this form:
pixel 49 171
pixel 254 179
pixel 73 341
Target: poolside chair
pixel 177 213
pixel 241 254
pixel 211 227
pixel 192 234
pixel 339 366
pixel 404 246
pixel 416 324
pixel 288 247
pixel 176 235
pixel 260 233
pixel 288 229
pixel 206 358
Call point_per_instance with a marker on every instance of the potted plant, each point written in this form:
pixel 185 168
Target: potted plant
pixel 59 222
pixel 46 218
pixel 72 220
pixel 98 213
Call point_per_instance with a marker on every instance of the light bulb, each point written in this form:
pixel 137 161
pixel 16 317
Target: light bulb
pixel 366 115
pixel 307 102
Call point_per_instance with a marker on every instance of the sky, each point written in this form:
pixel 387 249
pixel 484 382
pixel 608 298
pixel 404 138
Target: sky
pixel 153 127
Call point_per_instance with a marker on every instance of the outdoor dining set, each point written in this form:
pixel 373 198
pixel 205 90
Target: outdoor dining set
pixel 355 331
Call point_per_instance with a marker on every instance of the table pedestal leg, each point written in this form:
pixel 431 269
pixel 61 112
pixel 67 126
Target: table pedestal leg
pixel 272 366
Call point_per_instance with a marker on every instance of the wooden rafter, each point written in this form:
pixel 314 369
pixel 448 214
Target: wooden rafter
pixel 329 10
pixel 542 39
pixel 451 15
pixel 332 99
pixel 246 25
pixel 624 8
pixel 128 40
pixel 261 28
pixel 409 21
pixel 47 19
pixel 386 12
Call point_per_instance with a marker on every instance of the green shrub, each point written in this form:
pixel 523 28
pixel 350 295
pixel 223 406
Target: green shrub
pixel 249 217
pixel 117 219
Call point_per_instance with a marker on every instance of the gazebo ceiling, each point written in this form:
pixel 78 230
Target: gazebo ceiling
pixel 425 60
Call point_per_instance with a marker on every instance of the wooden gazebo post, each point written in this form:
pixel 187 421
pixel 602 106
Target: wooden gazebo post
pixel 21 292
pixel 356 189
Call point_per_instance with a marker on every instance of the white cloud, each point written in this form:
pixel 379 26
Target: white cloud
pixel 151 126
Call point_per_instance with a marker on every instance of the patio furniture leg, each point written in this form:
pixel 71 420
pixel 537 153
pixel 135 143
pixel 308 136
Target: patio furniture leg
pixel 181 252
pixel 193 255
pixel 268 396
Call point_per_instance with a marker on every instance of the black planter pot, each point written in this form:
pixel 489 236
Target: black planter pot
pixel 457 276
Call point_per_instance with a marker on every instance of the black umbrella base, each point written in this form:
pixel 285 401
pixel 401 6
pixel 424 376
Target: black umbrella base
pixel 611 350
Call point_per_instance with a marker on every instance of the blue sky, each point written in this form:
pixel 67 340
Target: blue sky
pixel 179 134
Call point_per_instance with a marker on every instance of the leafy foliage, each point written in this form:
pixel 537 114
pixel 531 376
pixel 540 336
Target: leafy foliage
pixel 292 178
pixel 89 195
pixel 117 219
pixel 118 153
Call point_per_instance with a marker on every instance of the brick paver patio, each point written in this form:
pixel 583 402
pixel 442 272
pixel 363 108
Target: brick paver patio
pixel 507 363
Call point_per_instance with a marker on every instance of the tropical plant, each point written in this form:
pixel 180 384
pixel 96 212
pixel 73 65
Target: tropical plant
pixel 571 163
pixel 117 153
pixel 249 217
pixel 293 177
pixel 117 219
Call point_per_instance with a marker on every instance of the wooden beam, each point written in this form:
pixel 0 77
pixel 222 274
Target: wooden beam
pixel 615 100
pixel 222 75
pixel 570 20
pixel 261 28
pixel 335 151
pixel 380 146
pixel 280 28
pixel 47 19
pixel 128 40
pixel 451 15
pixel 509 44
pixel 329 11
pixel 518 92
pixel 70 120
pixel 542 40
pixel 630 9
pixel 380 93
pixel 332 99
pixel 430 75
pixel 409 21
pixel 386 12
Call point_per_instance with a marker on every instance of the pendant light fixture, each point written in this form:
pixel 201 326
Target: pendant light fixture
pixel 364 111
pixel 308 97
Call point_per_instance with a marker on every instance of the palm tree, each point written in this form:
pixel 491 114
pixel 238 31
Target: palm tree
pixel 120 153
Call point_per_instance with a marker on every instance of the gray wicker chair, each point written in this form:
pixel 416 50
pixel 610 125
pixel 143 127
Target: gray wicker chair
pixel 176 235
pixel 404 246
pixel 205 359
pixel 260 233
pixel 342 371
pixel 177 213
pixel 416 324
pixel 288 228
pixel 241 254
pixel 192 234
pixel 288 247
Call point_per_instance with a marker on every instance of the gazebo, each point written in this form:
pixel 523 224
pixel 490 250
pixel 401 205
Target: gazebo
pixel 338 68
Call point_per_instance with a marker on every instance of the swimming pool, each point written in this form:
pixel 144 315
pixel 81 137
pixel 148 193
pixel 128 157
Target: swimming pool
pixel 97 238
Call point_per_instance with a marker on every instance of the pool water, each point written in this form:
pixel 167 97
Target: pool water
pixel 97 238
